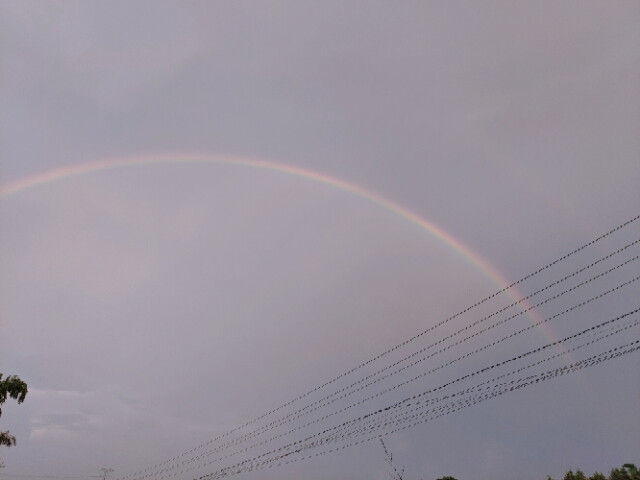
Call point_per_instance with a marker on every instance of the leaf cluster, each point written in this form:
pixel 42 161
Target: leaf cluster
pixel 11 387
pixel 627 472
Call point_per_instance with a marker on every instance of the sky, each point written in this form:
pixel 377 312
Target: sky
pixel 422 156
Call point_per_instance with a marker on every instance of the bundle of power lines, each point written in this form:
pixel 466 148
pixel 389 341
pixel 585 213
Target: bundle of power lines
pixel 435 373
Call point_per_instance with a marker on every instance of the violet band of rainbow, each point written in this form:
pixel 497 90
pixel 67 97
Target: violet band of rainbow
pixel 471 256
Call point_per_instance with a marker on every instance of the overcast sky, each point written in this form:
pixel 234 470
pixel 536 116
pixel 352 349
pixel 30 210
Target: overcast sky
pixel 152 308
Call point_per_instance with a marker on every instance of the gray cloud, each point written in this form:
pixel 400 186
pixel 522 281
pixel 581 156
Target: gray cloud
pixel 151 309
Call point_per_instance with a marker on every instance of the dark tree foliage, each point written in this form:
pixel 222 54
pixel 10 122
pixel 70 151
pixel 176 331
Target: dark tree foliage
pixel 11 387
pixel 628 472
pixel 579 475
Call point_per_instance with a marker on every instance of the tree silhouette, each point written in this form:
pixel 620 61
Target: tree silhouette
pixel 628 472
pixel 11 387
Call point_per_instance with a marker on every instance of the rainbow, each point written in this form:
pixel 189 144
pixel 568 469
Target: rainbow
pixel 442 235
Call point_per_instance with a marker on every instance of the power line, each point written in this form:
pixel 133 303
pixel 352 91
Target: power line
pixel 433 370
pixel 322 402
pixel 613 331
pixel 247 437
pixel 467 327
pixel 413 398
pixel 393 409
pixel 247 465
pixel 400 345
pixel 169 469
